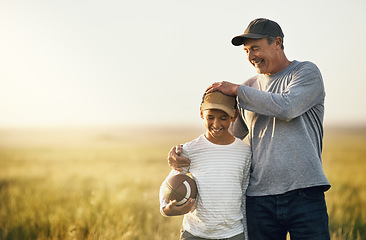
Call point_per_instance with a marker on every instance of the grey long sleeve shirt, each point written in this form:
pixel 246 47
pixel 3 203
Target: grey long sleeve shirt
pixel 283 115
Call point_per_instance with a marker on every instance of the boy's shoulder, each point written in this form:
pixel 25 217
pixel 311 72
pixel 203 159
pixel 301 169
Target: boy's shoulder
pixel 240 141
pixel 194 142
pixel 241 144
pixel 201 140
pixel 191 146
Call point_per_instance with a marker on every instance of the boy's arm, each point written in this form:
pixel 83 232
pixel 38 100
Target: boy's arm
pixel 244 186
pixel 163 203
pixel 169 209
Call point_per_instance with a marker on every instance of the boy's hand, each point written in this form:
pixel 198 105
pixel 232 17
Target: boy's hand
pixel 172 210
pixel 175 161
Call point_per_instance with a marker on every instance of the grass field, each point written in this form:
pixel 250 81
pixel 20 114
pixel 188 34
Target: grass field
pixel 103 183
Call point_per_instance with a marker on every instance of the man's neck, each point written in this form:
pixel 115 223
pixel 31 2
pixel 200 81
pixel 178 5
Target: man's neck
pixel 282 64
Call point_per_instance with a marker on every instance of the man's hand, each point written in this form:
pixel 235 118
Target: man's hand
pixel 175 161
pixel 227 88
pixel 172 210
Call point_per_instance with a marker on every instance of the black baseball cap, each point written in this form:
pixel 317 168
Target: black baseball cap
pixel 259 28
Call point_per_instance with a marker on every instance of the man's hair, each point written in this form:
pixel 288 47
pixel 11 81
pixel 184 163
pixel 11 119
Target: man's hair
pixel 271 39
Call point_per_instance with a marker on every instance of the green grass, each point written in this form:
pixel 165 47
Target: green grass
pixel 103 184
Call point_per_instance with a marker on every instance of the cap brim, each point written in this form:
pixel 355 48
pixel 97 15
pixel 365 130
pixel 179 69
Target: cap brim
pixel 228 110
pixel 239 40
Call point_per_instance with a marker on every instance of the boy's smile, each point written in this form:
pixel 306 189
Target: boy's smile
pixel 217 124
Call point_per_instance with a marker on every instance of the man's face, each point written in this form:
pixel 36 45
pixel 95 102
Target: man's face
pixel 263 56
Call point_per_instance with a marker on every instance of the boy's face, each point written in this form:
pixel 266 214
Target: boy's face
pixel 217 122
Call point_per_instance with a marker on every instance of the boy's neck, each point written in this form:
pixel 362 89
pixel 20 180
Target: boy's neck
pixel 222 140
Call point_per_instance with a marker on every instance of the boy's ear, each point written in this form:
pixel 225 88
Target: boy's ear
pixel 235 116
pixel 201 113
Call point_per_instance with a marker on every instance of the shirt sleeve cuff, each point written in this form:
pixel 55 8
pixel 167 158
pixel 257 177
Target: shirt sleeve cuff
pixel 163 213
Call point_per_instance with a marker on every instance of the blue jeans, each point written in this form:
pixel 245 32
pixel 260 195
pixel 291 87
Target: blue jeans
pixel 302 213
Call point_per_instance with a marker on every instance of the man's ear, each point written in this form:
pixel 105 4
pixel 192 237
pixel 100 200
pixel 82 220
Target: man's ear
pixel 201 113
pixel 278 41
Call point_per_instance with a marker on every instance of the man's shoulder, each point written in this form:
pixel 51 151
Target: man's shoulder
pixel 306 68
pixel 251 81
pixel 301 65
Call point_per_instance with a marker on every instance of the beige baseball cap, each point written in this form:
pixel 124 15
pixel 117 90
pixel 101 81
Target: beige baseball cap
pixel 218 100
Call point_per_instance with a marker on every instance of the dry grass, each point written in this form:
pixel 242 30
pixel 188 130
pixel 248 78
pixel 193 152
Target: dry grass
pixel 103 183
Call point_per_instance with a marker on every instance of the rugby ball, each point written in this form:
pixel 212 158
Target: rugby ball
pixel 179 187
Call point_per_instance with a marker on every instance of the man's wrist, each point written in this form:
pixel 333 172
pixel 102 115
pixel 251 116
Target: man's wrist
pixel 236 90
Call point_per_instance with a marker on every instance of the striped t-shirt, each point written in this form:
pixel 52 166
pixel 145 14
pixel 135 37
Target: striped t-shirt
pixel 222 176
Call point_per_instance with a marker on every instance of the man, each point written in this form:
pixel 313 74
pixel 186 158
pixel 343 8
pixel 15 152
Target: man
pixel 282 110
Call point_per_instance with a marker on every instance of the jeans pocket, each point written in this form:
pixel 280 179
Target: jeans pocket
pixel 313 193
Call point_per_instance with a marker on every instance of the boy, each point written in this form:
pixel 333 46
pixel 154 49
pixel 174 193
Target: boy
pixel 220 165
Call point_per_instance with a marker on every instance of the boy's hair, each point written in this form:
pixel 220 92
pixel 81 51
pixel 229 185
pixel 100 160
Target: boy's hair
pixel 219 100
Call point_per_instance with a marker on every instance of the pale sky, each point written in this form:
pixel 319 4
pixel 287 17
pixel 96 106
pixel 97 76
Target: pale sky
pixel 78 62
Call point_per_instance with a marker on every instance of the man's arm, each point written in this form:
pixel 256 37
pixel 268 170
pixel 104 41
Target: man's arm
pixel 176 161
pixel 225 87
pixel 303 92
pixel 238 128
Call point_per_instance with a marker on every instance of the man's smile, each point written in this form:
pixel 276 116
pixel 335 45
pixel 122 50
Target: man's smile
pixel 256 63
